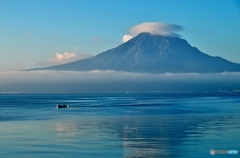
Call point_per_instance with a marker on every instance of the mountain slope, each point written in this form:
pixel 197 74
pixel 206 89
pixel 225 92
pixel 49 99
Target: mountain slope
pixel 147 53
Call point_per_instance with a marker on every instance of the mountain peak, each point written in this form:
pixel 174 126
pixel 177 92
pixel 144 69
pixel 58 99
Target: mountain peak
pixel 156 40
pixel 146 34
pixel 151 35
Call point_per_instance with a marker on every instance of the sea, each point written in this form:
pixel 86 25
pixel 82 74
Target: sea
pixel 121 125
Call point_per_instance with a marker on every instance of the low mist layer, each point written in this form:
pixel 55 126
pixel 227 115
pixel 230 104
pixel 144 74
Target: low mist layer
pixel 116 82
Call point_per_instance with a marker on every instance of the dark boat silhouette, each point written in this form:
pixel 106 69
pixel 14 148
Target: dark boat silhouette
pixel 62 106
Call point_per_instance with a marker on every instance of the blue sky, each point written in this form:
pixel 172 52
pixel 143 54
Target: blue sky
pixel 33 31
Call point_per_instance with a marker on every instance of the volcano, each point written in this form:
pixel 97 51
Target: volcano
pixel 148 53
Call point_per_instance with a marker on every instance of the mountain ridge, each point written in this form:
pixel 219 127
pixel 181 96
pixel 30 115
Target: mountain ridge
pixel 148 53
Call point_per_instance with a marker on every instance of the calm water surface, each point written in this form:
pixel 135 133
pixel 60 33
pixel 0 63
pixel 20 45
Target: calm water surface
pixel 119 125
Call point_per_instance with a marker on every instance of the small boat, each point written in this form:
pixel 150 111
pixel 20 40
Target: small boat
pixel 62 106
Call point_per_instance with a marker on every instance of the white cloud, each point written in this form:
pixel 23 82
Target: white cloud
pixel 77 47
pixel 98 39
pixel 158 28
pixel 126 38
pixel 64 58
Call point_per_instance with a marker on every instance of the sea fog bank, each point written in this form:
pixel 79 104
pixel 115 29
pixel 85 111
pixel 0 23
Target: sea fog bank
pixel 116 82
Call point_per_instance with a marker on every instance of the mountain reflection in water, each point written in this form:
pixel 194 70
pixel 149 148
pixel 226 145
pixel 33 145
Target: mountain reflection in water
pixel 152 136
